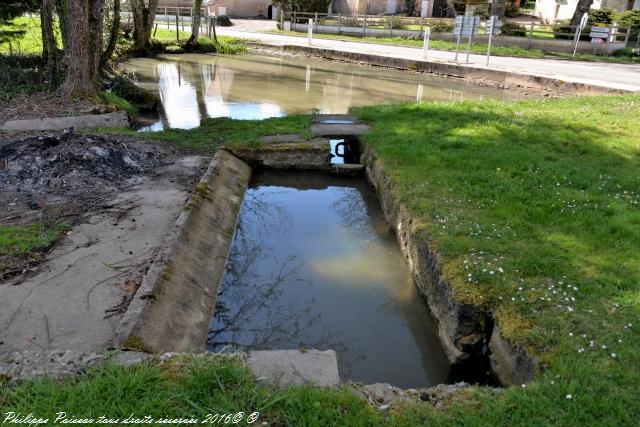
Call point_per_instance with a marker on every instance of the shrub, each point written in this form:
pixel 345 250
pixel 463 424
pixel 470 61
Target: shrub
pixel 512 29
pixel 223 21
pixel 482 11
pixel 628 52
pixel 395 23
pixel 600 16
pixel 440 25
pixel 630 18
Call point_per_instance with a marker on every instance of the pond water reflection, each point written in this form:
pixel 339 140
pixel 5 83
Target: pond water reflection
pixel 195 86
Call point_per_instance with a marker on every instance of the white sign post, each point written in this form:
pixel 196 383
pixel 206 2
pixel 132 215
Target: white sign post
pixel 310 31
pixel 583 23
pixel 493 28
pixel 425 46
pixel 424 10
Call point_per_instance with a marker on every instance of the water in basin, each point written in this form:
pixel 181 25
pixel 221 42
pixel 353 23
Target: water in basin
pixel 314 264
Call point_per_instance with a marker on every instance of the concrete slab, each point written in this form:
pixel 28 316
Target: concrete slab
pixel 171 311
pixel 313 154
pixel 75 300
pixel 322 129
pixel 279 139
pixel 336 119
pixel 295 367
pixel 117 119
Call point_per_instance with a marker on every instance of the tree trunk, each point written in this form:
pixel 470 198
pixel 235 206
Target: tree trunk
pixel 49 47
pixel 195 24
pixel 143 17
pixel 114 32
pixel 582 7
pixel 96 21
pixel 62 10
pixel 85 37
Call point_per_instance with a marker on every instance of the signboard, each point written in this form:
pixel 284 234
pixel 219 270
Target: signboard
pixel 600 32
pixel 583 21
pixel 494 25
pixel 466 25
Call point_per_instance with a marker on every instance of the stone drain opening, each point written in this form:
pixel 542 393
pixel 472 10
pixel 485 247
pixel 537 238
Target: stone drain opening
pixel 345 150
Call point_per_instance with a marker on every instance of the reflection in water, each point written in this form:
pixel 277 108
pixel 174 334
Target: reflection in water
pixel 194 86
pixel 315 265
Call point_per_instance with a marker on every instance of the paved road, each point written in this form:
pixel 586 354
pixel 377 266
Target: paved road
pixel 617 76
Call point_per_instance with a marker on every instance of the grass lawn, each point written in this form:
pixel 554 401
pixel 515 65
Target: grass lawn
pixel 534 207
pixel 480 48
pixel 31 41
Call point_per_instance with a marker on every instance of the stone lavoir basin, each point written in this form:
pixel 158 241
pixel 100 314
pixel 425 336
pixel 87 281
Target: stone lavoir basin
pixel 314 264
pixel 289 248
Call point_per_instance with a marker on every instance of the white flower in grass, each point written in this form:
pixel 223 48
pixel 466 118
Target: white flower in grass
pixel 614 355
pixel 569 397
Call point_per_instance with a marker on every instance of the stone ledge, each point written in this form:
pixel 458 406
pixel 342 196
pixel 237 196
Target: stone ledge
pixel 118 119
pixel 172 309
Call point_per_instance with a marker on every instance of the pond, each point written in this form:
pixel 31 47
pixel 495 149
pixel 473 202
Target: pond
pixel 249 87
pixel 314 264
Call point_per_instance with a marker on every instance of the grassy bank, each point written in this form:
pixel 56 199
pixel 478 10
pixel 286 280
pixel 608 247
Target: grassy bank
pixel 534 207
pixel 212 133
pixel 479 48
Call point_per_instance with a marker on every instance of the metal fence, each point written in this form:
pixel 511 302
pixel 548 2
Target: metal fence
pixel 554 38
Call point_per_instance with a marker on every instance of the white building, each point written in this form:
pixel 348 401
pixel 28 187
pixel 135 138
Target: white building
pixel 556 10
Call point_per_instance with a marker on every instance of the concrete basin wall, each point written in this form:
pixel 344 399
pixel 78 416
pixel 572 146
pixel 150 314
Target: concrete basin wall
pixel 172 309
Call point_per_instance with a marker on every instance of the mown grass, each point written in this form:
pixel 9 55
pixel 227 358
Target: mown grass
pixel 191 388
pixel 213 133
pixel 534 207
pixel 479 48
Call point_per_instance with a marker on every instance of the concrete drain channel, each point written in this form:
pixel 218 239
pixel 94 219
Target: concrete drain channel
pixel 298 253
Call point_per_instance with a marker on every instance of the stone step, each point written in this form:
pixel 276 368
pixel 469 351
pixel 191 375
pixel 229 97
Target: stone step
pixel 285 368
